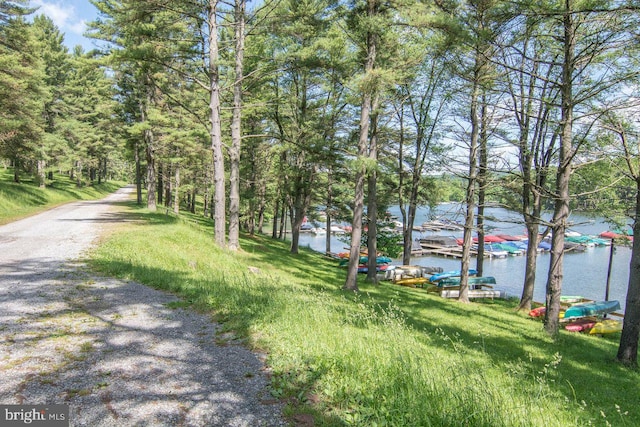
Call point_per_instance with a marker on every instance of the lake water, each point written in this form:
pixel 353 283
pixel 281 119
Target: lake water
pixel 585 273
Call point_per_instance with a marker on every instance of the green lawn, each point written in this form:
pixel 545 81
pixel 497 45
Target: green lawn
pixel 388 355
pixel 25 199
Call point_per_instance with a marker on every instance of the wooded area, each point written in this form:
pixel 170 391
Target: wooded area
pixel 256 110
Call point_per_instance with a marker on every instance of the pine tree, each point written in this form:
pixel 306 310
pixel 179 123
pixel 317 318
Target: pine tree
pixel 21 90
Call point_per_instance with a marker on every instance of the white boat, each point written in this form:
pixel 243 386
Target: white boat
pixel 336 230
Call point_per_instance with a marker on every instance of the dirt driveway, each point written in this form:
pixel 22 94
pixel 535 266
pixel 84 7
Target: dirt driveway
pixel 115 351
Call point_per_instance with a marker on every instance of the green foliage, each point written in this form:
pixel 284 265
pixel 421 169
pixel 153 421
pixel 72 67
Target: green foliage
pixel 388 355
pixel 24 199
pixel 21 92
pixel 452 188
pixel 388 241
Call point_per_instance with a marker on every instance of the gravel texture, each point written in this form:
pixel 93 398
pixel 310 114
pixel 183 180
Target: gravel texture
pixel 115 351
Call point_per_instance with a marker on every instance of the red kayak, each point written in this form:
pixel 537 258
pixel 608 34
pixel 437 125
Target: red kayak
pixel 538 311
pixel 580 325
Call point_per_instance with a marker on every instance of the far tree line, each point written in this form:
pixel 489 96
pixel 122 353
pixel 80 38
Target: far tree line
pixel 257 111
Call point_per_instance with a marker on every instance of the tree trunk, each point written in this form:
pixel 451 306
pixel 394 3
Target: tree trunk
pixel 372 206
pixel 482 184
pixel 215 133
pixel 351 282
pixel 151 170
pixel 274 228
pixel 41 174
pixel 162 170
pixel 147 137
pixel 236 132
pixel 16 171
pixel 176 189
pixel 372 229
pixel 471 180
pixel 628 349
pixel 327 240
pixel 79 167
pixel 169 185
pixel 530 268
pixel 136 154
pixel 261 205
pixel 561 208
pixel 302 199
pixel 283 221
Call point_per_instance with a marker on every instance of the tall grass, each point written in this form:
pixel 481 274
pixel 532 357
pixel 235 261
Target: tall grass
pixel 387 355
pixel 26 198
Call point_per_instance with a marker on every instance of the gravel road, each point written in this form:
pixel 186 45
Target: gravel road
pixel 115 351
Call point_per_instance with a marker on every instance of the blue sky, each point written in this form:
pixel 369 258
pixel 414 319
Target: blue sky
pixel 70 16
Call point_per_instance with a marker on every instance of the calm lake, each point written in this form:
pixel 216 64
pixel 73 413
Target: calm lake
pixel 585 273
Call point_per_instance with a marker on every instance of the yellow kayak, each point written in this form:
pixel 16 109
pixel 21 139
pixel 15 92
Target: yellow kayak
pixel 606 326
pixel 413 281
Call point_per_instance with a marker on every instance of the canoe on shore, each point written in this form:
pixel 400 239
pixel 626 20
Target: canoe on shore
pixel 570 299
pixel 455 281
pixel 594 308
pixel 447 274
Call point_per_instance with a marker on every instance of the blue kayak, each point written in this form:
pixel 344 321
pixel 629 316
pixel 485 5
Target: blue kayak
pixel 595 308
pixel 454 273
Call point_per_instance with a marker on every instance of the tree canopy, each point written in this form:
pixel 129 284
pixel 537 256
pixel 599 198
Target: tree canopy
pixel 247 112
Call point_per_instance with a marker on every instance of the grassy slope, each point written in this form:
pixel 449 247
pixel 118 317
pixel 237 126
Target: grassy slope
pixel 386 356
pixel 25 199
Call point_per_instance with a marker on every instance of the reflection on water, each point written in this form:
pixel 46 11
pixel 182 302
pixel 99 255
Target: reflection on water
pixel 585 273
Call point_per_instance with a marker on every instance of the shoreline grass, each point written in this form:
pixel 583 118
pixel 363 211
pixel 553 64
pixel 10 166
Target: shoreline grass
pixel 21 200
pixel 387 355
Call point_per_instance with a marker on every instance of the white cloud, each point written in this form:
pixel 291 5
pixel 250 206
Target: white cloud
pixel 63 16
pixel 78 27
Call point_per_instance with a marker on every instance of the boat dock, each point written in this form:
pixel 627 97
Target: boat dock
pixel 445 251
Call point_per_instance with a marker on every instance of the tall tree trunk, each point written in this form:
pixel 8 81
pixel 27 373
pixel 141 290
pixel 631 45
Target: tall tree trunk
pixel 16 171
pixel 301 202
pixel 407 230
pixel 482 183
pixel 372 206
pixel 236 132
pixel 161 184
pixel 151 171
pixel 147 137
pixel 561 207
pixel 79 167
pixel 628 349
pixel 176 189
pixel 283 221
pixel 471 179
pixel 136 155
pixel 169 185
pixel 262 204
pixel 534 180
pixel 351 282
pixel 219 207
pixel 274 228
pixel 40 172
pixel 327 239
